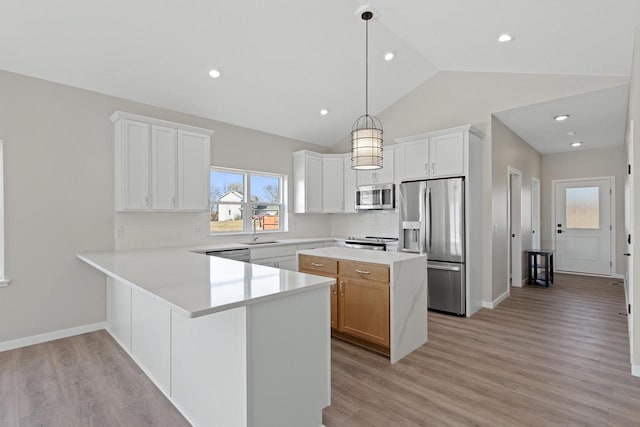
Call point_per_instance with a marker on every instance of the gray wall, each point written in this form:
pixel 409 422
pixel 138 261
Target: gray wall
pixel 509 150
pixel 585 164
pixel 58 159
pixel 634 114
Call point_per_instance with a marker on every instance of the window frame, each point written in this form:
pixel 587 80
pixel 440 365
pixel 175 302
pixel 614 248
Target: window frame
pixel 247 205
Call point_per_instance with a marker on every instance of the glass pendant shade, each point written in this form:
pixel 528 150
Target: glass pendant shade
pixel 366 143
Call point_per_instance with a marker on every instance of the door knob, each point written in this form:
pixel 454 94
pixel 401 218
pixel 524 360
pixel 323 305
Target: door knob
pixel 513 235
pixel 626 254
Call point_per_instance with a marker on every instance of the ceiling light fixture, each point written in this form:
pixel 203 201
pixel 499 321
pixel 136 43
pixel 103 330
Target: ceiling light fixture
pixel 576 144
pixel 561 117
pixel 389 56
pixel 324 112
pixel 366 133
pixel 505 37
pixel 215 73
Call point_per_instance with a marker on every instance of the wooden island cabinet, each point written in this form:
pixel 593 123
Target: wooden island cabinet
pixel 379 305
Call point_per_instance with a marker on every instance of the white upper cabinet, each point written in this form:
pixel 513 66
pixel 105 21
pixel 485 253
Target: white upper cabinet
pixel 164 162
pixel 194 160
pixel 307 182
pixel 350 185
pixel 160 165
pixel 379 176
pixel 132 165
pixel 416 159
pixel 436 154
pixel 447 155
pixel 332 183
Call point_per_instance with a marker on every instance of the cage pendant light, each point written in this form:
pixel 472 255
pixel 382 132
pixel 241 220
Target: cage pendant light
pixel 366 133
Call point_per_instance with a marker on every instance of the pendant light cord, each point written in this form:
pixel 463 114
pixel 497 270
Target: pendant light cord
pixel 366 68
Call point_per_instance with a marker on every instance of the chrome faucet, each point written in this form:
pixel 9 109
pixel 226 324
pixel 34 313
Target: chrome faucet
pixel 255 231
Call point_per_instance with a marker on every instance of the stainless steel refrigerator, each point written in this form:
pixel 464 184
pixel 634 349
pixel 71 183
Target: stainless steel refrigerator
pixel 432 222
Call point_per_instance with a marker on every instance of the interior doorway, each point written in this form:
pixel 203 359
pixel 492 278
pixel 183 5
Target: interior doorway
pixel 535 213
pixel 628 227
pixel 514 217
pixel 584 225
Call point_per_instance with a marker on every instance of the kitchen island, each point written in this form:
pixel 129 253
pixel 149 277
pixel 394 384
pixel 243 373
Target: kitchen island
pixel 378 299
pixel 229 343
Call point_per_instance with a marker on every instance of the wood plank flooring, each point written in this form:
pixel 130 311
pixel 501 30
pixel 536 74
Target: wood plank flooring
pixel 544 357
pixel 86 380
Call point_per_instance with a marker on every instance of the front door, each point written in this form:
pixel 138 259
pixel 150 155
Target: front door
pixel 583 227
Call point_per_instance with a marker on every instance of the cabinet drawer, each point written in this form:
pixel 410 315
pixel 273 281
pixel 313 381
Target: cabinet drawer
pixel 364 270
pixel 314 264
pixel 272 252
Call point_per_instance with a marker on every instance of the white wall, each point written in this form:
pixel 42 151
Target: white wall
pixel 58 158
pixel 509 150
pixel 584 164
pixel 634 114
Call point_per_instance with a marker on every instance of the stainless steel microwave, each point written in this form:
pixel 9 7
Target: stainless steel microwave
pixel 376 196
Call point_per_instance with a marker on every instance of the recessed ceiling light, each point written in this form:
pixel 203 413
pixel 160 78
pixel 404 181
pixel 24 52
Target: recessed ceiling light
pixel 572 133
pixel 389 56
pixel 505 37
pixel 561 117
pixel 576 144
pixel 324 112
pixel 215 73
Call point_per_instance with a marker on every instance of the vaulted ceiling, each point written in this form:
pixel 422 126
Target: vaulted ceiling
pixel 285 60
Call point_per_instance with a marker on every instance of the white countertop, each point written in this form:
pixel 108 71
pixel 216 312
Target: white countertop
pixel 362 255
pixel 197 284
pixel 248 245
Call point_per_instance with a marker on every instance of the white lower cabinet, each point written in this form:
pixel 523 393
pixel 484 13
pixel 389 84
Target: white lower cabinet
pixel 119 312
pixel 151 338
pixel 209 368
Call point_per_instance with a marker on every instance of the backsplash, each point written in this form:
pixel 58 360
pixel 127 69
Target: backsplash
pixel 379 223
pixel 149 230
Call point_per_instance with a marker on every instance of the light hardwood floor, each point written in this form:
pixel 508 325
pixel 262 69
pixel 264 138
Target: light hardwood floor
pixel 544 357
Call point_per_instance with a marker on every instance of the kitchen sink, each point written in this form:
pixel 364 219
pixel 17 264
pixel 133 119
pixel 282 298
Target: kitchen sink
pixel 264 242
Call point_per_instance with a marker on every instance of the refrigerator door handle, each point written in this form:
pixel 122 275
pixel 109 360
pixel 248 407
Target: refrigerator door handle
pixel 442 267
pixel 422 212
pixel 428 220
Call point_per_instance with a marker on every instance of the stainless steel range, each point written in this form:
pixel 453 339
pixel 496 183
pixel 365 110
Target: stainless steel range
pixel 372 243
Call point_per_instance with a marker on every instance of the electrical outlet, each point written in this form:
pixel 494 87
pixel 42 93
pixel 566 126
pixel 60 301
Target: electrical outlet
pixel 120 232
pixel 198 229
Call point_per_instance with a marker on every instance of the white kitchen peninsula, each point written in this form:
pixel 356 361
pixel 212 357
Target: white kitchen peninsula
pixel 229 343
pixel 378 299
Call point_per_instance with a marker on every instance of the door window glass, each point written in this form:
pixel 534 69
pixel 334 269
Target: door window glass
pixel 583 207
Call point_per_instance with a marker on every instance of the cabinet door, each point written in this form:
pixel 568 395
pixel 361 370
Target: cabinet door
pixel 350 186
pixel 364 309
pixel 290 264
pixel 416 159
pixel 334 305
pixel 194 164
pixel 134 165
pixel 386 175
pixel 367 177
pixel 447 155
pixel 163 167
pixel 313 183
pixel 332 184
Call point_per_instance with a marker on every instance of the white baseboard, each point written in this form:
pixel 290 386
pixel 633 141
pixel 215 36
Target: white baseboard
pixel 493 304
pixel 635 370
pixel 51 336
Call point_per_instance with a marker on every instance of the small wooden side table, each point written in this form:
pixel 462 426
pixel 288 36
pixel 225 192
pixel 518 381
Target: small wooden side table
pixel 534 264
